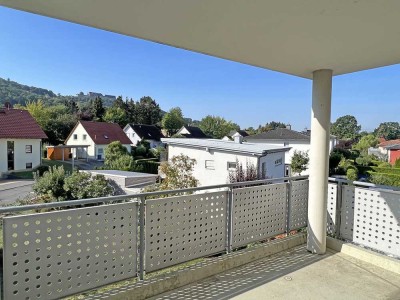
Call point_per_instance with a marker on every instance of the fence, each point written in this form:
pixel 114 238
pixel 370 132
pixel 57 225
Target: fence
pixel 54 254
pixel 366 215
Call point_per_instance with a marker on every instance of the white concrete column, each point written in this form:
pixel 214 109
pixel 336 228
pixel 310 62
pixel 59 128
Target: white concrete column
pixel 319 160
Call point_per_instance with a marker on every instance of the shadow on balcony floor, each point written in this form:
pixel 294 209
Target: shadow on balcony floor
pixel 295 274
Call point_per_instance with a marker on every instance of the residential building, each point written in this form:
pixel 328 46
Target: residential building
pixel 233 133
pixel 390 149
pixel 192 132
pixel 149 133
pixel 287 138
pixel 215 159
pixel 20 140
pixel 97 135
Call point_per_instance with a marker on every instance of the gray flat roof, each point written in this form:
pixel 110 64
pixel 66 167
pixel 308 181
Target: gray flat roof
pixel 118 173
pixel 226 146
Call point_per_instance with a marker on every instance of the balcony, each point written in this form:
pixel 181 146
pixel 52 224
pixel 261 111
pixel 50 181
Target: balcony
pixel 241 240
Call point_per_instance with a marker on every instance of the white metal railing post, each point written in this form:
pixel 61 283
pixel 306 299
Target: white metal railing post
pixel 288 205
pixel 142 245
pixel 338 216
pixel 229 215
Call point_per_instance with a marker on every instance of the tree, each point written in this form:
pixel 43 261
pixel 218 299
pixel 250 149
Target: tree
pixel 178 173
pixel 115 115
pixel 217 127
pixel 364 143
pixel 346 127
pixel 300 161
pixel 173 121
pixel 98 109
pixel 117 157
pixel 147 111
pixel 270 126
pixel 388 130
pixel 119 102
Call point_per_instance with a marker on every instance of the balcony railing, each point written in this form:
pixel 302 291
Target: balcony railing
pixel 54 254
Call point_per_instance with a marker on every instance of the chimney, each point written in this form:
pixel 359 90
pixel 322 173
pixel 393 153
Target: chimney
pixel 238 138
pixel 288 126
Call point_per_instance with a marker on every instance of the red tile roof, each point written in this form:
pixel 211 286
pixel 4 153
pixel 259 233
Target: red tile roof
pixel 389 143
pixel 103 133
pixel 19 124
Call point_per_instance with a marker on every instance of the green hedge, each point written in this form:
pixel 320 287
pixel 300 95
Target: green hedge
pixel 384 178
pixel 148 165
pixel 365 170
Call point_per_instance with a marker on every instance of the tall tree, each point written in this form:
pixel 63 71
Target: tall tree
pixel 119 102
pixel 98 109
pixel 365 142
pixel 388 130
pixel 217 127
pixel 173 121
pixel 147 111
pixel 346 127
pixel 270 126
pixel 131 111
pixel 116 115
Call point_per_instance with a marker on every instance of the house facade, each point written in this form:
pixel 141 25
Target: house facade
pixel 288 138
pixel 216 159
pixel 20 141
pixel 149 133
pixel 96 135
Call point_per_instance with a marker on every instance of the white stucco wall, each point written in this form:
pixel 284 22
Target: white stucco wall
pixel 132 135
pixel 93 149
pixel 21 158
pixel 220 173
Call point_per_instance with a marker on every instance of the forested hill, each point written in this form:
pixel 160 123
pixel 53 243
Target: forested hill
pixel 16 93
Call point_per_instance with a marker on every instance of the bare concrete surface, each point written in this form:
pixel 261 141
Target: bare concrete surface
pixel 12 190
pixel 296 274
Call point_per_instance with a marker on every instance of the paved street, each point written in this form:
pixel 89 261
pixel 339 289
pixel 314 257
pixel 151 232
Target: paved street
pixel 12 190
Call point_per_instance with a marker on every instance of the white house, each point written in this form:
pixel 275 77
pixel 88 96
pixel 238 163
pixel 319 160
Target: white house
pixel 97 135
pixel 149 133
pixel 20 141
pixel 215 159
pixel 288 138
pixel 192 132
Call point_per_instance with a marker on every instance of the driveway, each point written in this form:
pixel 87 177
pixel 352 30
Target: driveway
pixel 12 190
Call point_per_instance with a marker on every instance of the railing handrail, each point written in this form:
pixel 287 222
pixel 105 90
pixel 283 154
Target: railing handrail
pixel 10 209
pixel 364 184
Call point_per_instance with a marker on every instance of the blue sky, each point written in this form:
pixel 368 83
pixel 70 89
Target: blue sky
pixel 68 58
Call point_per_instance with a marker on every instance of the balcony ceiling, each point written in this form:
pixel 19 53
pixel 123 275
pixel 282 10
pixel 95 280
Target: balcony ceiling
pixel 289 36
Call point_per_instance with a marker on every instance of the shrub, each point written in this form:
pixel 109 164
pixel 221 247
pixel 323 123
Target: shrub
pixel 334 160
pixel 51 183
pixel 140 151
pixel 352 174
pixel 81 185
pixel 384 179
pixel 364 160
pixel 397 163
pixel 41 169
pixel 384 165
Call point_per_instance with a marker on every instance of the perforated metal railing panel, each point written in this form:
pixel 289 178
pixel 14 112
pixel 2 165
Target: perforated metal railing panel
pixel 347 213
pixel 331 217
pixel 258 213
pixel 377 220
pixel 181 229
pixel 55 254
pixel 298 204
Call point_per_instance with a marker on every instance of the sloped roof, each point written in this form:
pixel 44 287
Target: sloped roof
pixel 279 134
pixel 389 143
pixel 19 124
pixel 241 132
pixel 226 146
pixel 195 133
pixel 103 133
pixel 147 132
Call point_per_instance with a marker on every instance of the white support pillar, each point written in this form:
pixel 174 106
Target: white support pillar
pixel 319 160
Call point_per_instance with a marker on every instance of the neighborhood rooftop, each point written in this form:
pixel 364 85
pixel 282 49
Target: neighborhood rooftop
pixel 18 123
pixel 279 134
pixel 148 132
pixel 229 146
pixel 195 132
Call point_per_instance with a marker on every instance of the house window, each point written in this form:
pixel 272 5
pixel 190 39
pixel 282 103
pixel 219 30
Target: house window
pixel 28 149
pixel 84 137
pixel 75 136
pixel 209 164
pixel 29 165
pixel 278 162
pixel 100 151
pixel 231 165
